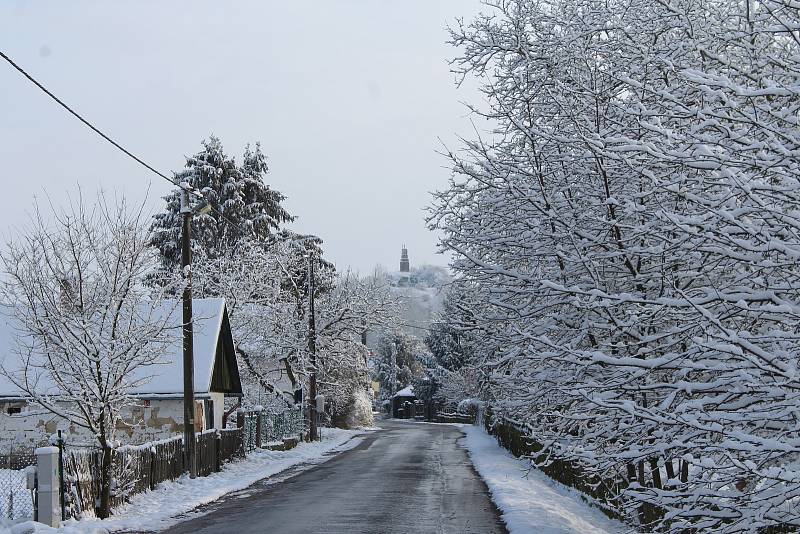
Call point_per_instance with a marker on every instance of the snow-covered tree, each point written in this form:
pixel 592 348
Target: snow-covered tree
pixel 266 286
pixel 628 236
pixel 450 345
pixel 399 359
pixel 453 371
pixel 251 282
pixel 88 329
pixel 354 305
pixel 243 205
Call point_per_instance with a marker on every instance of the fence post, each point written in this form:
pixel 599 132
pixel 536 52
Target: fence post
pixel 242 430
pixel 152 468
pixel 259 413
pixel 48 490
pixel 301 422
pixel 218 453
pixel 61 484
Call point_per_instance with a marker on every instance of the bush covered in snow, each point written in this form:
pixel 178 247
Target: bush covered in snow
pixel 360 414
pixel 470 406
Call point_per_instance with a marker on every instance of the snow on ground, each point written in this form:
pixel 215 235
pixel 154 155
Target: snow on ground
pixel 156 510
pixel 529 501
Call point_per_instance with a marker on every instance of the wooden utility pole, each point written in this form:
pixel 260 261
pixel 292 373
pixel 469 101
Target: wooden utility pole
pixel 392 375
pixel 188 336
pixel 312 349
pixel 368 381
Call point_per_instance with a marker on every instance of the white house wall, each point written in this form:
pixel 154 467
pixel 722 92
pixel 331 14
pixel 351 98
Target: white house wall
pixel 219 408
pixel 163 418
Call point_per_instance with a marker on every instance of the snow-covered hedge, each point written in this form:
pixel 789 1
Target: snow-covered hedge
pixel 470 406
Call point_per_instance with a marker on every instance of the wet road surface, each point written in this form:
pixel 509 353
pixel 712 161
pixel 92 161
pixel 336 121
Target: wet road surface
pixel 407 478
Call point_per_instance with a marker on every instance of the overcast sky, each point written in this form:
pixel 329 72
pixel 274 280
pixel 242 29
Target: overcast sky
pixel 348 97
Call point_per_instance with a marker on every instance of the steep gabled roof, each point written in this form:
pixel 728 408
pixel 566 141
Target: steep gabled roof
pixel 215 367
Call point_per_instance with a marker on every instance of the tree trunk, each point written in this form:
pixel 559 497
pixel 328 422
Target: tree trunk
pixel 655 473
pixel 105 483
pixel 670 469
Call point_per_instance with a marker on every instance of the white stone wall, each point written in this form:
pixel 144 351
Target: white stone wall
pixel 150 420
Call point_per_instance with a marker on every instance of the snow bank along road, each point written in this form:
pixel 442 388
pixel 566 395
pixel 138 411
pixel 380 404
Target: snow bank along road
pixel 532 503
pixel 408 478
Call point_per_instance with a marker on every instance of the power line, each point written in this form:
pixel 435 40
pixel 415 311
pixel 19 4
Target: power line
pixel 127 152
pixel 96 130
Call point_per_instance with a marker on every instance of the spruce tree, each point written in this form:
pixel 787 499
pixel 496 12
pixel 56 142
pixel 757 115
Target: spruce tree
pixel 243 205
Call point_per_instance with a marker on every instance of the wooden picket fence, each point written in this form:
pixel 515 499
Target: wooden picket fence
pixel 442 417
pixel 140 468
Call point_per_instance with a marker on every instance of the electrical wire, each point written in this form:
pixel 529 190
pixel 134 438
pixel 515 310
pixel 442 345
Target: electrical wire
pixel 140 161
pixel 127 152
pixel 133 156
pixel 96 130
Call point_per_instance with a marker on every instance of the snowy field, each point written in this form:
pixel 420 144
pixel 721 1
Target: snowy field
pixel 155 510
pixel 529 501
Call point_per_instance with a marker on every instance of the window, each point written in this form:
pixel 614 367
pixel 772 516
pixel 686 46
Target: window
pixel 14 409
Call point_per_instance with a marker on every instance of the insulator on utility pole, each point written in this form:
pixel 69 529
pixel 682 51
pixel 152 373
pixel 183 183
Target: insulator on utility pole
pixel 188 335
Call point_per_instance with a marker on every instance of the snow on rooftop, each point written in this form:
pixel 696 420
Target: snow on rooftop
pixel 166 378
pixel 407 391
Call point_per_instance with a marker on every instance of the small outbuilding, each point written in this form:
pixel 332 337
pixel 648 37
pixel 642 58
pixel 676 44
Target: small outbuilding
pixel 403 403
pixel 158 409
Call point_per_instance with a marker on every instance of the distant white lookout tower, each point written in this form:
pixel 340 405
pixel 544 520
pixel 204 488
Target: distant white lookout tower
pixel 405 267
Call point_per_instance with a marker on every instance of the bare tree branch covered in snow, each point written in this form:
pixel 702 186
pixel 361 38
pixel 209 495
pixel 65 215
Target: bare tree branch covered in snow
pixel 628 238
pixel 88 329
pixel 354 305
pixel 266 287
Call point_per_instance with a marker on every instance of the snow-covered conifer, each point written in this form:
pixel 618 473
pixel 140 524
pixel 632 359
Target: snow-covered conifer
pixel 243 205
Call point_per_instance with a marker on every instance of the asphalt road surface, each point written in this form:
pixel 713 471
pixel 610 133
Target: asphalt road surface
pixel 407 478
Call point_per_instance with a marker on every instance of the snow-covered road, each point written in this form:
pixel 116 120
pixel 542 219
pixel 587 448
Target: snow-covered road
pixel 406 478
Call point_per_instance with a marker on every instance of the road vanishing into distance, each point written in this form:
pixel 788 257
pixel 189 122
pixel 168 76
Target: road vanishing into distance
pixel 407 478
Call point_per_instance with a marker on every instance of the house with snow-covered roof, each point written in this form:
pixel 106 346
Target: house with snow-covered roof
pixel 403 401
pixel 157 411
